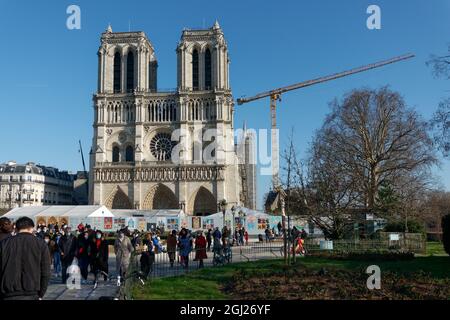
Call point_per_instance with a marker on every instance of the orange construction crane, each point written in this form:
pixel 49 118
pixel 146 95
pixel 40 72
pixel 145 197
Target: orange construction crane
pixel 275 95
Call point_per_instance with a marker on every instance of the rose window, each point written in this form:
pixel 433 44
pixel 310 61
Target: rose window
pixel 161 146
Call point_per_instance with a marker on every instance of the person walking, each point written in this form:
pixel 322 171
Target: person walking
pixel 209 239
pixel 267 233
pixel 200 249
pixel 246 237
pixel 148 255
pixel 99 254
pixel 241 236
pixel 55 254
pixel 172 246
pixel 217 246
pixel 185 244
pixel 24 264
pixel 67 249
pixel 123 249
pixel 279 227
pixel 83 253
pixel 6 228
pixel 136 241
pixel 225 236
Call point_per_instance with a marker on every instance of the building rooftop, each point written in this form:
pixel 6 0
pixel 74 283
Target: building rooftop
pixel 32 168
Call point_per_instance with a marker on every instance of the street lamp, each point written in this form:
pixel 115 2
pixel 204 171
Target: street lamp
pixel 223 206
pixel 233 212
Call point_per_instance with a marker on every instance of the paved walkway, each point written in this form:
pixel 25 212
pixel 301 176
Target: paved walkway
pixel 58 291
pixel 161 268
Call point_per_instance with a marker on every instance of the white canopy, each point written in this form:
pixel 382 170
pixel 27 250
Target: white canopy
pixel 24 212
pixel 60 211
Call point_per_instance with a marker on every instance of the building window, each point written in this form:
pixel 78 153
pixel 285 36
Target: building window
pixel 207 69
pixel 129 154
pixel 130 71
pixel 195 73
pixel 117 72
pixel 115 154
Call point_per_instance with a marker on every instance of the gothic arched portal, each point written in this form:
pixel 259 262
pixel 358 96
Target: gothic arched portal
pixel 118 200
pixel 204 203
pixel 160 197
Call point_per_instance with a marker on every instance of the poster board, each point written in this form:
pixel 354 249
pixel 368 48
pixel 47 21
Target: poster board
pixel 131 223
pixel 96 223
pixel 173 223
pixel 263 223
pixel 119 223
pixel 161 223
pixel 196 223
pixel 108 224
pixel 142 224
pixel 208 223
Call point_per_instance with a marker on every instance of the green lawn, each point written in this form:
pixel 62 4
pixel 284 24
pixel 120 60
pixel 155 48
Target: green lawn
pixel 206 283
pixel 435 248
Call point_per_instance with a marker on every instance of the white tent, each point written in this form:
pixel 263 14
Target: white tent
pixel 71 215
pixel 30 212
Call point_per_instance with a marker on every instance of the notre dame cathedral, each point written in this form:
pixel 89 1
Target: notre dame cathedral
pixel 132 163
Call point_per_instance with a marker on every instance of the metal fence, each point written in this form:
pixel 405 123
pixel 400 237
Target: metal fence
pixel 415 243
pixel 169 264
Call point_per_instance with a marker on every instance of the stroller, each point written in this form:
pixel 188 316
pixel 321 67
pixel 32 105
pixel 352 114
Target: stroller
pixel 222 254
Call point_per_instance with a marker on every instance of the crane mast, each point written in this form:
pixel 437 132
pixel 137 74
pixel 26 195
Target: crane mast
pixel 275 95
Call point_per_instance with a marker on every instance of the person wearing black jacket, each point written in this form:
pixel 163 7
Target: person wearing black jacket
pixel 99 255
pixel 67 247
pixel 6 228
pixel 82 254
pixel 24 264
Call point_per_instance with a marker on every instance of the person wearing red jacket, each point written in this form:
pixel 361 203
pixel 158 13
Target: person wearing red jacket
pixel 200 248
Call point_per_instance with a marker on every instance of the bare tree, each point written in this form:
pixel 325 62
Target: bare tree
pixel 440 123
pixel 373 137
pixel 440 65
pixel 370 139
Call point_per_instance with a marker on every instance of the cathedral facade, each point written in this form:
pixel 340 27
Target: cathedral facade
pixel 153 149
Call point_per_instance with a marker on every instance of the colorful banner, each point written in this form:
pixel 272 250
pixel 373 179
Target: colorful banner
pixel 251 223
pixel 161 222
pixel 196 223
pixel 263 223
pixel 142 224
pixel 208 224
pixel 108 223
pixel 119 223
pixel 173 223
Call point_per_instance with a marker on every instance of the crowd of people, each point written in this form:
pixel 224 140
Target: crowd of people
pixel 57 249
pixel 180 245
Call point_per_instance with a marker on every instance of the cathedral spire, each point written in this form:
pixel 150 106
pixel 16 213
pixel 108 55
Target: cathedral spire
pixel 109 29
pixel 216 25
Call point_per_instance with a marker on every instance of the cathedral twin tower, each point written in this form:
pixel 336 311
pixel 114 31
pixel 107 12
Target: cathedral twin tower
pixel 131 161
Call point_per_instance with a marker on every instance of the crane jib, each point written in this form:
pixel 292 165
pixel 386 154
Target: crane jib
pixel 308 83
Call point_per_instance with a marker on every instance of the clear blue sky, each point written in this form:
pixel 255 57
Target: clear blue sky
pixel 48 73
